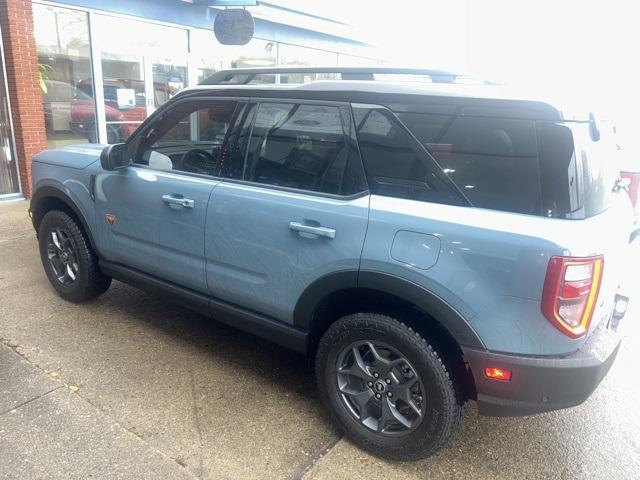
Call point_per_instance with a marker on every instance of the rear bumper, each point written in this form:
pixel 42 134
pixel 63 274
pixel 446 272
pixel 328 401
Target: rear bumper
pixel 542 384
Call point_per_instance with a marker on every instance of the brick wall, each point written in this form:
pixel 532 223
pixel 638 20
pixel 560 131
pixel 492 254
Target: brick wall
pixel 16 21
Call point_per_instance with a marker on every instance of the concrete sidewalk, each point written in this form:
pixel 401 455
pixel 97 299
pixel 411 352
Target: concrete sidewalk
pixel 128 386
pixel 48 431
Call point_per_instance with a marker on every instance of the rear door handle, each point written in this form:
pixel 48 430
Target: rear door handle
pixel 320 231
pixel 178 200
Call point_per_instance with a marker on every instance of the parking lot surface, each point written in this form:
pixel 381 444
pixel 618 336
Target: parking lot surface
pixel 129 386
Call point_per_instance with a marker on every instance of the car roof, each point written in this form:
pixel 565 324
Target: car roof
pixel 418 97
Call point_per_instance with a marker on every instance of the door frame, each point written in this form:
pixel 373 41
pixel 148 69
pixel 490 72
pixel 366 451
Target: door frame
pixel 12 138
pixel 146 62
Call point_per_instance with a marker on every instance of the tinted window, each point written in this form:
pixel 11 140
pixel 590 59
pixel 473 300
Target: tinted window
pixel 303 147
pixel 577 174
pixel 234 151
pixel 187 138
pixel 494 161
pixel 395 164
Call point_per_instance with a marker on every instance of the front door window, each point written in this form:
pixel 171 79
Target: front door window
pixel 188 139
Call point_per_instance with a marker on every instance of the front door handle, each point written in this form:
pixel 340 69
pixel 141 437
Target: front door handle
pixel 320 231
pixel 178 200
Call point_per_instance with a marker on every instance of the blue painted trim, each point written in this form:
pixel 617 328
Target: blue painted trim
pixel 199 16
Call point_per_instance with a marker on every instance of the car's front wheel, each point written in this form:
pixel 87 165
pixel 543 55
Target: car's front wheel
pixel 68 259
pixel 386 387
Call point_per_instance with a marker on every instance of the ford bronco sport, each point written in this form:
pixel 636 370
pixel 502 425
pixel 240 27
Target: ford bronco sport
pixel 425 244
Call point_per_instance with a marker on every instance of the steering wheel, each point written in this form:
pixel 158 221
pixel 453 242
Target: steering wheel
pixel 198 160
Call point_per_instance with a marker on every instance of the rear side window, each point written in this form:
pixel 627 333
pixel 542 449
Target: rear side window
pixel 306 147
pixel 395 164
pixel 494 161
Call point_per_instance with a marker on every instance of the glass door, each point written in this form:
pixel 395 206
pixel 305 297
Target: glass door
pixel 139 71
pixel 8 168
pixel 125 105
pixel 167 79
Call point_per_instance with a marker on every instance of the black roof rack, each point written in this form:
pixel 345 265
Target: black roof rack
pixel 243 76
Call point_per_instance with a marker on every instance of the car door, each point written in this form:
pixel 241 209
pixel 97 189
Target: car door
pixel 152 215
pixel 292 209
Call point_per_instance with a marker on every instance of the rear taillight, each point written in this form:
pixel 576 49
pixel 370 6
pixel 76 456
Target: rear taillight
pixel 634 187
pixel 570 293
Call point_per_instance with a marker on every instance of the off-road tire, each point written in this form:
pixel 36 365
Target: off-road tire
pixel 444 407
pixel 90 281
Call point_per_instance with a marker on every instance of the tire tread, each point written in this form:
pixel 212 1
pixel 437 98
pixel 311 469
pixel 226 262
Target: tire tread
pixel 96 282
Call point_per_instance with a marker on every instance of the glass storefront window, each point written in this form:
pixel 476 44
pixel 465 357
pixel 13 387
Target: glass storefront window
pixel 8 167
pixel 295 56
pixel 62 42
pixel 208 56
pixel 256 53
pixel 140 70
pixel 354 61
pixel 205 53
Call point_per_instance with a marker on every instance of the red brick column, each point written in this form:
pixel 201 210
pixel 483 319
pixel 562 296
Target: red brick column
pixel 21 62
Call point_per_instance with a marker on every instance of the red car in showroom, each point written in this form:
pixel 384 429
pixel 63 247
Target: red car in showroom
pixel 124 103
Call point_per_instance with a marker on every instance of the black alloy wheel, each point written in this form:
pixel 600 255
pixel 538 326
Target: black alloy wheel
pixel 380 388
pixel 62 256
pixel 68 258
pixel 386 387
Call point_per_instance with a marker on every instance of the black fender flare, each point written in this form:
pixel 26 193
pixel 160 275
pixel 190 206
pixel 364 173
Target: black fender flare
pixel 318 291
pixel 425 300
pixel 49 191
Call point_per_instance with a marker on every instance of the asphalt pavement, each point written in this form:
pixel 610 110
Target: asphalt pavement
pixel 128 386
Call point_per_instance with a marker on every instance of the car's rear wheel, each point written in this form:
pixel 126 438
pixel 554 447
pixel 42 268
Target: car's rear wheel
pixel 68 259
pixel 386 387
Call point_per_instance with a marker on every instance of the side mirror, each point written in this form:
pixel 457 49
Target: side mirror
pixel 114 157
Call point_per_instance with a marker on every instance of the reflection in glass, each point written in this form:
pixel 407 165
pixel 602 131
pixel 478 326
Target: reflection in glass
pixel 140 70
pixel 209 56
pixel 8 170
pixel 257 53
pixel 167 81
pixel 206 55
pixel 62 42
pixel 355 61
pixel 294 56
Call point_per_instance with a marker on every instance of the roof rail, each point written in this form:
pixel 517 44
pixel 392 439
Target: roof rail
pixel 243 76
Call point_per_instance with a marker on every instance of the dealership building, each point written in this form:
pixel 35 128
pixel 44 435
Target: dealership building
pixel 80 71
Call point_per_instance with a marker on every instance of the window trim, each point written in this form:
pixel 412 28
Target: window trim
pixel 299 191
pixel 157 115
pixel 179 173
pixel 353 144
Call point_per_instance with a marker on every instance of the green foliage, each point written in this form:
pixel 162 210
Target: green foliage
pixel 43 75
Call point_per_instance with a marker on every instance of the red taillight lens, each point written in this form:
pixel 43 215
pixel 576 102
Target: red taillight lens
pixel 570 293
pixel 634 187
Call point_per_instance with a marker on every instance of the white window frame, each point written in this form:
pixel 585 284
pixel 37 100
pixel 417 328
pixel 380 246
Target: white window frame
pixel 96 62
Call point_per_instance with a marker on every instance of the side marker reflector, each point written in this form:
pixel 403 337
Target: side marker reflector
pixel 495 373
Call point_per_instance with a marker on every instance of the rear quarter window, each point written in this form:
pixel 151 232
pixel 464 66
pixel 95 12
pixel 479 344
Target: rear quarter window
pixel 577 173
pixel 396 165
pixel 494 161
